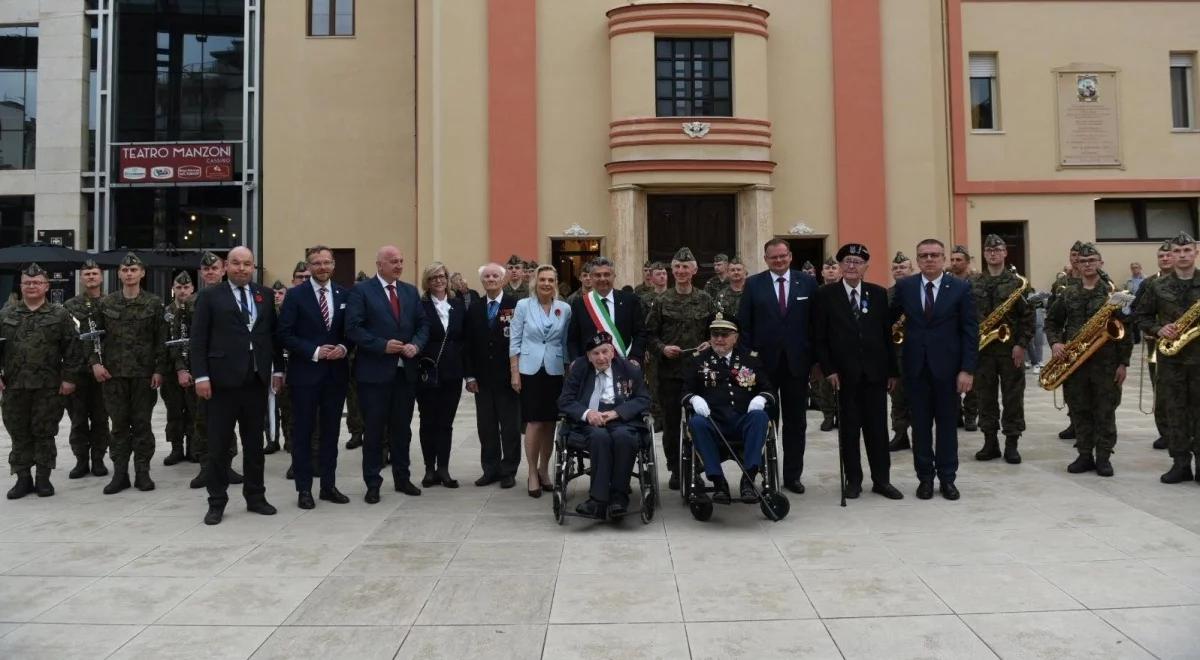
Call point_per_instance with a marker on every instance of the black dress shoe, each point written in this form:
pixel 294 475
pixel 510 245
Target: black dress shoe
pixel 486 480
pixel 407 488
pixel 950 491
pixel 355 441
pixel 673 482
pixel 887 490
pixel 234 477
pixel 853 491
pixel 925 489
pixel 507 481
pixel 271 447
pixel 535 493
pixel 201 479
pixel 720 491
pixel 372 496
pixel 214 515
pixel 291 473
pixel 305 500
pixel 430 479
pixel 1067 433
pixel 333 495
pixel 616 510
pixel 747 491
pixel 443 476
pixel 592 508
pixel 1160 443
pixel 827 424
pixel 795 486
pixel 899 442
pixel 261 507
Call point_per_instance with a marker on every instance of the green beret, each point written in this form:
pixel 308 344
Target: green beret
pixel 183 278
pixel 1183 239
pixel 900 258
pixel 1088 250
pixel 721 258
pixel 683 254
pixel 277 285
pixel 209 259
pixel 90 264
pixel 131 259
pixel 33 270
pixel 993 241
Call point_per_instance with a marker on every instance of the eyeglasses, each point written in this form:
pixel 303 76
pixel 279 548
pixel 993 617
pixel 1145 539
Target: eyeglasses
pixel 853 262
pixel 929 255
pixel 437 277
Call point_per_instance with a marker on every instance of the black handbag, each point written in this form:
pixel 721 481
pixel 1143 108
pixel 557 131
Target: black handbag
pixel 428 377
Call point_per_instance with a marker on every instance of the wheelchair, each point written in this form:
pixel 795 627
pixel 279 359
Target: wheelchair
pixel 571 462
pixel 692 483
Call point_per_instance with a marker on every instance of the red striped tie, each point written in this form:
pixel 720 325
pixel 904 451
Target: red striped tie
pixel 324 308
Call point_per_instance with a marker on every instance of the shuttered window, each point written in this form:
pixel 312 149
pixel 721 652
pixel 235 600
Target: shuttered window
pixel 1183 102
pixel 985 92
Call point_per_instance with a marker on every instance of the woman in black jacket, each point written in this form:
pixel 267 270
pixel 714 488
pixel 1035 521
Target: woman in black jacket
pixel 443 356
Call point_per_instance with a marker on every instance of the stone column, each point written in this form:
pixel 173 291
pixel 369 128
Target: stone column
pixel 627 233
pixel 755 224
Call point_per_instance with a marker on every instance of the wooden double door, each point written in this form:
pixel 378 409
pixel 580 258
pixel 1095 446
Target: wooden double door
pixel 707 224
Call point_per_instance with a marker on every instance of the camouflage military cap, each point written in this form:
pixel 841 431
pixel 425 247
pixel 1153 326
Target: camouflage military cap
pixel 209 259
pixel 1088 250
pixel 647 264
pixel 33 270
pixel 1076 247
pixel 277 285
pixel 360 276
pixel 514 260
pixel 531 265
pixel 808 265
pixel 993 241
pixel 683 254
pixel 90 264
pixel 830 261
pixel 1183 239
pixel 961 249
pixel 1165 246
pixel 721 258
pixel 301 266
pixel 736 260
pixel 183 278
pixel 660 265
pixel 132 259
pixel 722 324
pixel 900 258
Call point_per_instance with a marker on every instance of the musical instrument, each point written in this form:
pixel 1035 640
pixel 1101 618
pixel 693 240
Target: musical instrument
pixel 93 334
pixel 1100 329
pixel 994 328
pixel 898 331
pixel 1188 330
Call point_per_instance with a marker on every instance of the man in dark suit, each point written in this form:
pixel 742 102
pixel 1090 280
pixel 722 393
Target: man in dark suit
pixel 775 315
pixel 311 325
pixel 386 322
pixel 605 397
pixel 941 348
pixel 852 330
pixel 486 366
pixel 234 359
pixel 605 309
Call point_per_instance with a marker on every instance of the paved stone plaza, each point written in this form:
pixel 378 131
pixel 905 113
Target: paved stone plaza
pixel 1031 563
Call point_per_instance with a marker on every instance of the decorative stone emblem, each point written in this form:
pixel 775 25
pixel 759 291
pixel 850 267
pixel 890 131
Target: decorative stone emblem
pixel 696 129
pixel 800 229
pixel 575 230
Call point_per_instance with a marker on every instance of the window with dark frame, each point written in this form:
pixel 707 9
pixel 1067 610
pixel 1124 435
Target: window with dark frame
pixel 1148 219
pixel 330 18
pixel 1183 66
pixel 18 96
pixel 693 77
pixel 984 91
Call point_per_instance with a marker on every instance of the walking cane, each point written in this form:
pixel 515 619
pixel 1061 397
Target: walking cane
pixel 837 403
pixel 757 493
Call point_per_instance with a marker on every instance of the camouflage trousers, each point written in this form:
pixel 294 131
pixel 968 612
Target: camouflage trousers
pixel 1160 418
pixel 823 392
pixel 998 380
pixel 899 397
pixel 130 404
pixel 651 374
pixel 1180 385
pixel 287 422
pixel 31 417
pixel 968 407
pixel 1092 397
pixel 181 410
pixel 354 418
pixel 200 438
pixel 89 419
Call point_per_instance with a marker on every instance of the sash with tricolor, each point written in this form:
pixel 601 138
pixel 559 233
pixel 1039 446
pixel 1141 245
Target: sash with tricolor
pixel 603 321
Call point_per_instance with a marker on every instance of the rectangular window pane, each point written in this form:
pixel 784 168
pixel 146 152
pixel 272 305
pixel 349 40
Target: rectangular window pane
pixel 343 24
pixel 1181 101
pixel 981 104
pixel 18 96
pixel 1115 220
pixel 1165 218
pixel 699 83
pixel 318 25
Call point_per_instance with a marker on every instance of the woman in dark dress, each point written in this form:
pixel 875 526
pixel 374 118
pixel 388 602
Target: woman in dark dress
pixel 438 403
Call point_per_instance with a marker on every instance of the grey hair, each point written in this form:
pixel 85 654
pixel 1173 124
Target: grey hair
pixel 601 262
pixel 491 264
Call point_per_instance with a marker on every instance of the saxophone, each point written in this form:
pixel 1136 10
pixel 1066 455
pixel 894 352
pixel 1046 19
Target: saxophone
pixel 994 328
pixel 1189 330
pixel 898 331
pixel 1100 329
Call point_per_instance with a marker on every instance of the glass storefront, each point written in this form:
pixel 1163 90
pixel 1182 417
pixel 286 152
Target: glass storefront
pixel 18 96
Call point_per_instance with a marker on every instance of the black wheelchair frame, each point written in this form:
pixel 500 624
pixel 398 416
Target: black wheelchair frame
pixel 571 463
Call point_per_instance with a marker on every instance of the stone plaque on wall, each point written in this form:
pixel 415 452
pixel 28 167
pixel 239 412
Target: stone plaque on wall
pixel 1088 126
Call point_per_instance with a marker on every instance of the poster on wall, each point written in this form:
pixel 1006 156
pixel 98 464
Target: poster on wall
pixel 1089 133
pixel 192 162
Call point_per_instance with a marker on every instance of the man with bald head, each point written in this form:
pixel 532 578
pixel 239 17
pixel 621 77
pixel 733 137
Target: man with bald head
pixel 385 319
pixel 235 358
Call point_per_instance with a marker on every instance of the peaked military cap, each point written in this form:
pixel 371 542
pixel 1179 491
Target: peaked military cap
pixel 993 241
pixel 961 249
pixel 183 278
pixel 33 270
pixel 514 260
pixel 90 264
pixel 277 285
pixel 1088 250
pixel 854 250
pixel 720 322
pixel 599 339
pixel 209 259
pixel 721 258
pixel 684 254
pixel 301 266
pixel 900 258
pixel 1077 246
pixel 1183 239
pixel 808 265
pixel 830 261
pixel 131 259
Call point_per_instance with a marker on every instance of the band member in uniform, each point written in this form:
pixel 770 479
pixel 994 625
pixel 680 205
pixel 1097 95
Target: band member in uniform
pixel 1093 392
pixel 212 272
pixel 1166 265
pixel 730 297
pixel 852 333
pixel 960 267
pixel 486 367
pixel 89 419
pixel 901 268
pixel 1000 302
pixel 42 357
pixel 1169 308
pixel 177 393
pixel 516 286
pixel 606 309
pixel 831 273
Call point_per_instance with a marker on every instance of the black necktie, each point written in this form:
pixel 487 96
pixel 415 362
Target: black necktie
pixel 928 300
pixel 245 305
pixel 606 309
pixel 854 307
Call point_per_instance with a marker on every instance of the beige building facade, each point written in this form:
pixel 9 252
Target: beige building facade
pixel 468 130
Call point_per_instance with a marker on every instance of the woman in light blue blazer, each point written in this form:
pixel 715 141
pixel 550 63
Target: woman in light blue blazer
pixel 537 354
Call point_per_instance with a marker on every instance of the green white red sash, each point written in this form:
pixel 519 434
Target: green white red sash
pixel 602 319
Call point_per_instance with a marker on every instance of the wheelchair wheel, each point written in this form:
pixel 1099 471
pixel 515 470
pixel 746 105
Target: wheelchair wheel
pixel 559 499
pixel 777 502
pixel 558 503
pixel 649 488
pixel 701 511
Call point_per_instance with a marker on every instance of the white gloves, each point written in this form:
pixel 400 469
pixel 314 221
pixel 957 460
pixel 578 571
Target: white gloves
pixel 757 403
pixel 700 406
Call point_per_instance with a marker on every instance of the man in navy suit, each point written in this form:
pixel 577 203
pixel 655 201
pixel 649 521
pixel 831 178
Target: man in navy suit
pixel 608 309
pixel 384 318
pixel 775 316
pixel 311 325
pixel 941 348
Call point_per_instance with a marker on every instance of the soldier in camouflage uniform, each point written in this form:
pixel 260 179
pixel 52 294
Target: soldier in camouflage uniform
pixel 658 284
pixel 901 268
pixel 212 272
pixel 678 327
pixel 41 363
pixel 516 287
pixel 647 284
pixel 177 393
pixel 354 419
pixel 1093 392
pixel 131 367
pixel 1166 299
pixel 822 390
pixel 809 269
pixel 283 399
pixel 730 297
pixel 720 279
pixel 1166 265
pixel 960 267
pixel 89 419
pixel 1001 370
pixel 585 283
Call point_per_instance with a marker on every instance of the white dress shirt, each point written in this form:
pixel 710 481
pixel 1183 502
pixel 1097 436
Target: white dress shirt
pixel 787 284
pixel 316 288
pixel 442 306
pixel 606 392
pixel 937 285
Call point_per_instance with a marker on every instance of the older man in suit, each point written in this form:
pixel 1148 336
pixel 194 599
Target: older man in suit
pixel 487 370
pixel 941 352
pixel 775 314
pixel 605 309
pixel 604 397
pixel 853 334
pixel 234 359
pixel 311 324
pixel 385 320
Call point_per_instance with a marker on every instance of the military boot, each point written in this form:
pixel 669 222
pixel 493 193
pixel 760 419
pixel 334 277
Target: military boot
pixel 81 469
pixel 1067 433
pixel 1160 443
pixel 1010 449
pixel 355 441
pixel 201 479
pixel 1085 463
pixel 176 455
pixel 120 480
pixel 1198 466
pixel 1180 471
pixel 991 448
pixel 23 487
pixel 969 424
pixel 98 469
pixel 1104 467
pixel 142 480
pixel 42 485
pixel 899 441
pixel 828 424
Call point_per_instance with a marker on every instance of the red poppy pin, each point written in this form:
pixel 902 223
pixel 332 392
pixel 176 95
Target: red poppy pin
pixel 258 297
pixel 558 312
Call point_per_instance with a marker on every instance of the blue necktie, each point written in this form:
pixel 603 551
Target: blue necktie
pixel 493 307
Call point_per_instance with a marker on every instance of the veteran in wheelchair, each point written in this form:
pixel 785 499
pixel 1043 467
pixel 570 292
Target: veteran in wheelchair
pixel 728 405
pixel 604 406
